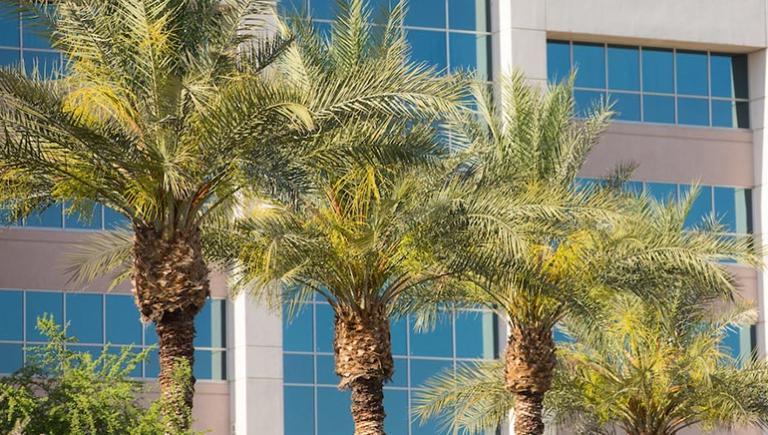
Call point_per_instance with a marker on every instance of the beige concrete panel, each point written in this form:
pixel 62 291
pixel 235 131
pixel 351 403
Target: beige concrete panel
pixel 746 280
pixel 527 14
pixel 732 23
pixel 211 406
pixel 676 154
pixel 36 259
pixel 529 48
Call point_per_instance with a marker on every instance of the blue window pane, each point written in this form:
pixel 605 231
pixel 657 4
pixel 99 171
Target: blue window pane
pixel 662 192
pixel 35 34
pixel 400 378
pixel 299 410
pixel 470 53
pixel 468 15
pixel 625 106
pixel 325 325
pixel 398 332
pixel 692 111
pixel 723 113
pixel 9 26
pixel 732 209
pixel 76 220
pixel 633 187
pixel 561 337
pixel 323 9
pixel 122 320
pixel 558 61
pixel 587 102
pixel 40 304
pixel 333 416
pixel 150 334
pixel 474 334
pixel 701 208
pixel 424 369
pixel 9 57
pixel 658 70
pixel 729 75
pixel 136 371
pixel 291 7
pixel 326 370
pixel 624 68
pixel 84 315
pixel 152 365
pixel 691 73
pixel 589 62
pixel 44 63
pixel 297 332
pixel 114 219
pixel 435 342
pixel 426 13
pixel 658 109
pixel 11 306
pixel 731 342
pixel 209 365
pixel 430 427
pixel 429 47
pixel 218 322
pixel 13 358
pixel 51 217
pixel 204 326
pixel 396 404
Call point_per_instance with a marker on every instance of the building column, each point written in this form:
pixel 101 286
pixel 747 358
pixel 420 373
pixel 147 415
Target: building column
pixel 256 384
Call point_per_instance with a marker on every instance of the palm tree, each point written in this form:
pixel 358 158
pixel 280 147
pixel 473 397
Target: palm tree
pixel 532 144
pixel 170 110
pixel 651 370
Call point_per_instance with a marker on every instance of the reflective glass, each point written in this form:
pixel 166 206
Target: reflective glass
pixel 625 106
pixel 701 208
pixel 434 342
pixel 691 73
pixel 692 111
pixel 13 357
pixel 426 13
pixel 624 68
pixel 396 405
pixel 85 316
pixel 658 109
pixel 333 416
pixel 9 57
pixel 122 320
pixel 561 337
pixel 474 334
pixel 731 342
pixel 51 217
pixel 152 365
pixel 326 370
pixel 723 114
pixel 398 332
pixel 43 62
pixel 468 15
pixel 35 33
pixel 400 378
pixel 291 7
pixel 75 220
pixel 150 334
pixel 209 364
pixel 732 209
pixel 589 62
pixel 729 75
pixel 114 219
pixel 634 187
pixel 324 328
pixel 430 427
pixel 424 369
pixel 662 192
pixel 9 26
pixel 39 304
pixel 742 114
pixel 470 53
pixel 558 61
pixel 428 46
pixel 204 326
pixel 299 410
pixel 587 101
pixel 658 70
pixel 297 332
pixel 11 315
pixel 323 9
pixel 218 322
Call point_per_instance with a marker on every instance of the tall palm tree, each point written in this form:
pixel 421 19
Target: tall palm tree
pixel 650 370
pixel 167 110
pixel 531 143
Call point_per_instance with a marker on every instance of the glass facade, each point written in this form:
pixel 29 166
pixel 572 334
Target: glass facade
pixel 23 44
pixel 655 85
pixel 452 35
pixel 313 403
pixel 99 319
pixel 62 216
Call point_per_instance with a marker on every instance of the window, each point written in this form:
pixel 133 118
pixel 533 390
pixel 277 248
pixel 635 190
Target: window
pixel 96 319
pixel 23 41
pixel 65 216
pixel 655 85
pixel 313 403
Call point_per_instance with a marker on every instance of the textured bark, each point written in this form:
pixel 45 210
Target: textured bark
pixel 363 363
pixel 530 365
pixel 170 283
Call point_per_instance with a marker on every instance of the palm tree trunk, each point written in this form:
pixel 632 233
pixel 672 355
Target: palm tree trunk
pixel 364 362
pixel 529 364
pixel 170 282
